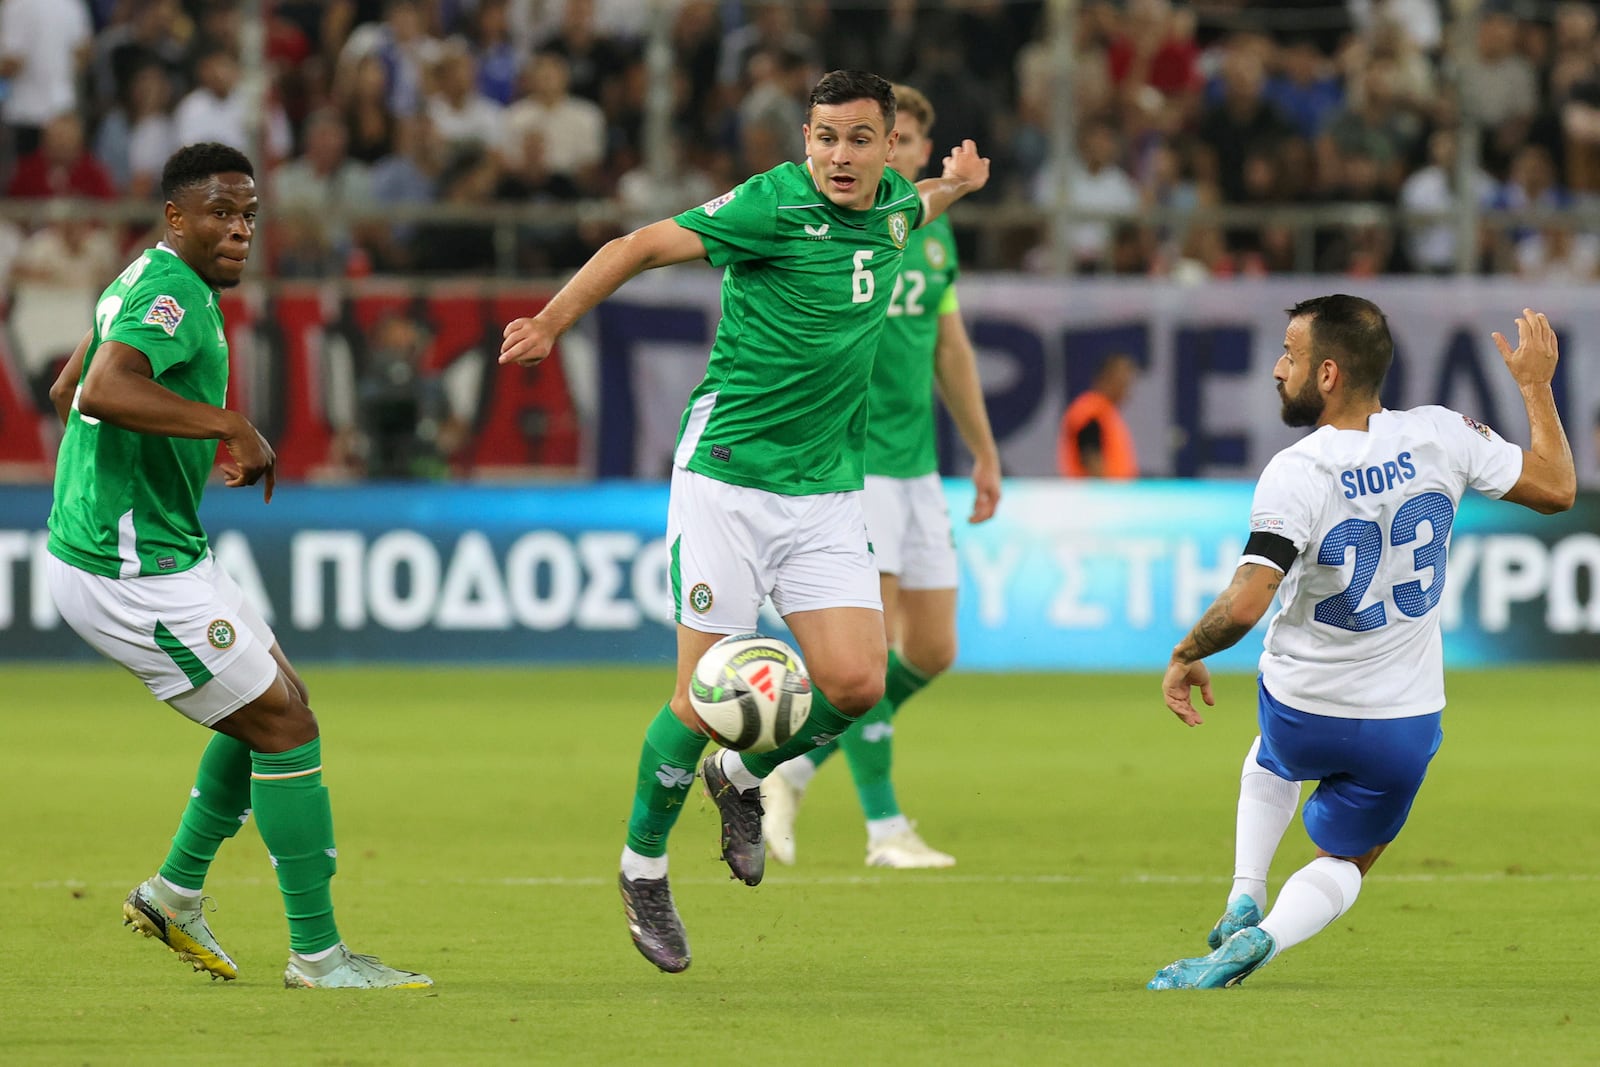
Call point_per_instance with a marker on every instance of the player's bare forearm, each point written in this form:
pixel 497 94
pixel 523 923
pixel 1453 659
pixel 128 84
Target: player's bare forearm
pixel 66 383
pixel 955 369
pixel 658 245
pixel 119 391
pixel 1232 615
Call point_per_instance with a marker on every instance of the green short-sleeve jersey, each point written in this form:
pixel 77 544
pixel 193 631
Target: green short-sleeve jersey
pixel 783 405
pixel 900 440
pixel 127 504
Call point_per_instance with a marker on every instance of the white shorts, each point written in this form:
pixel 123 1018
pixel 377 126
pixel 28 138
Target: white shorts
pixel 190 637
pixel 909 523
pixel 733 546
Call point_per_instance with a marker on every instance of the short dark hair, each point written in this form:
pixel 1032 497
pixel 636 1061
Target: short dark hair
pixel 1354 334
pixel 843 86
pixel 194 163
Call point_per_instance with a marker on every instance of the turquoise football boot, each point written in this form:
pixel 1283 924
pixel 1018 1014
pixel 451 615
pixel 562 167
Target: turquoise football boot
pixel 1239 957
pixel 1242 911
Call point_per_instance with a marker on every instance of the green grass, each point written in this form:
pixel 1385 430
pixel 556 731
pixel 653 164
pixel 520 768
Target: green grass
pixel 480 814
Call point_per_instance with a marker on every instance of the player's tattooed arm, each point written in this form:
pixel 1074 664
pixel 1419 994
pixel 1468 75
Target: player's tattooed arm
pixel 1232 615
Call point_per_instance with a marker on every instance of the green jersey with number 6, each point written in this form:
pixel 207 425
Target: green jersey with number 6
pixel 127 504
pixel 900 405
pixel 783 405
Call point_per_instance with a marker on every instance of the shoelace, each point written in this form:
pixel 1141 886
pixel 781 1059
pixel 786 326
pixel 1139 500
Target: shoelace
pixel 653 897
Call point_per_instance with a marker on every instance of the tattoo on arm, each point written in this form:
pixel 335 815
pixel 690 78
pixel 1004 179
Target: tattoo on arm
pixel 1217 628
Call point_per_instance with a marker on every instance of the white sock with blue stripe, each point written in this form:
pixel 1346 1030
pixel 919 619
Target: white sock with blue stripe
pixel 1313 897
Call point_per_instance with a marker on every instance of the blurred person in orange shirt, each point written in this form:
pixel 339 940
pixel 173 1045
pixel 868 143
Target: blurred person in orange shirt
pixel 1095 441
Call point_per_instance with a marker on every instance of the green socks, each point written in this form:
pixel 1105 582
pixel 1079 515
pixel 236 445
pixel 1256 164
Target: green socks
pixel 825 723
pixel 870 745
pixel 666 771
pixel 296 823
pixel 219 804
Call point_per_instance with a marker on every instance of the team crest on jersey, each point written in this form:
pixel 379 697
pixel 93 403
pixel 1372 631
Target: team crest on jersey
pixel 711 207
pixel 165 313
pixel 935 253
pixel 700 598
pixel 1483 431
pixel 898 229
pixel 221 634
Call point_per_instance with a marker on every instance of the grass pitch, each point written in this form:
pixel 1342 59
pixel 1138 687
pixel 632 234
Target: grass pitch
pixel 480 814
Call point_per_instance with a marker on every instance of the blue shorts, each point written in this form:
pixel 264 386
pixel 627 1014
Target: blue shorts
pixel 1369 770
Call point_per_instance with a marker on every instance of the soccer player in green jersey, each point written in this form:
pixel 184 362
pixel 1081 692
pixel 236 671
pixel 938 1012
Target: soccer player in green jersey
pixel 131 571
pixel 923 342
pixel 767 476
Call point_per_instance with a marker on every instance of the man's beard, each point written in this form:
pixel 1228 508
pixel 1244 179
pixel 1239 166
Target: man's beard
pixel 1305 407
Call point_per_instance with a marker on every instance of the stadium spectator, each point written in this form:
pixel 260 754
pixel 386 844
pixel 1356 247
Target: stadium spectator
pixel 571 130
pixel 326 184
pixel 1304 89
pixel 498 58
pixel 1155 49
pixel 1095 441
pixel 153 32
pixel 697 49
pixel 1374 126
pixel 456 246
pixel 362 92
pixel 592 58
pixel 1498 86
pixel 1418 19
pixel 460 113
pixel 769 25
pixel 1095 182
pixel 1532 183
pixel 1242 120
pixel 217 109
pixel 403 45
pixel 136 138
pixel 61 165
pixel 55 279
pixel 407 176
pixel 43 46
pixel 406 428
pixel 1432 246
pixel 773 102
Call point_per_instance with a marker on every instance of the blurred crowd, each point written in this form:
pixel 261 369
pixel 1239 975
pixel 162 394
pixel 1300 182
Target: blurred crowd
pixel 370 105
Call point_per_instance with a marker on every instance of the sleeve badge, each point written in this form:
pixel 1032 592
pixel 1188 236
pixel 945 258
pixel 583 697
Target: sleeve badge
pixel 1483 431
pixel 166 313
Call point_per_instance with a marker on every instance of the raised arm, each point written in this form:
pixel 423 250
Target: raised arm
pixel 1238 608
pixel 964 172
pixel 529 340
pixel 121 389
pixel 955 368
pixel 1549 481
pixel 66 383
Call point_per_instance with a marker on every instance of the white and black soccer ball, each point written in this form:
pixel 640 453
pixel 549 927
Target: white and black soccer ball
pixel 751 692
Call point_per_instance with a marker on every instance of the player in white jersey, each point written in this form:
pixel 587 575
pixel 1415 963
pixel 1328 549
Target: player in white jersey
pixel 1353 523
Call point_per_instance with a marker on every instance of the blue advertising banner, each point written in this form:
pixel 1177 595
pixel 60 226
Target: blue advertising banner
pixel 1066 577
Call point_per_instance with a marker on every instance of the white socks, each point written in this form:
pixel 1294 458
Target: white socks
pixel 737 772
pixel 1267 805
pixel 318 957
pixel 635 866
pixel 883 829
pixel 180 890
pixel 1313 897
pixel 798 772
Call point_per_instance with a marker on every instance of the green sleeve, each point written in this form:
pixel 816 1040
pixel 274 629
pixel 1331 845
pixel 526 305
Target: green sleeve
pixel 738 226
pixel 162 321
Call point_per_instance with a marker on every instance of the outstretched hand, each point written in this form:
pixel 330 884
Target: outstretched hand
pixel 964 165
pixel 250 459
pixel 1176 688
pixel 1533 362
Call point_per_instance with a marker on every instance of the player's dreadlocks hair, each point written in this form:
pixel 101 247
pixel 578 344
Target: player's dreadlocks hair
pixel 193 164
pixel 1354 334
pixel 843 86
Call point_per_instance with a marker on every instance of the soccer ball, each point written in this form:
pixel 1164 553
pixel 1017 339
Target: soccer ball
pixel 751 692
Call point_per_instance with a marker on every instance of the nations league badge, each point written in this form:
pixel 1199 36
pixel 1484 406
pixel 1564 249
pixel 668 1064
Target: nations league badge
pixel 898 229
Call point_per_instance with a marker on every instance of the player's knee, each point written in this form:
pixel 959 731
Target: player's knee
pixel 853 690
pixel 931 658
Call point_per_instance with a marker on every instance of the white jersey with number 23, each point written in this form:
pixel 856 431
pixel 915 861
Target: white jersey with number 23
pixel 1357 635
